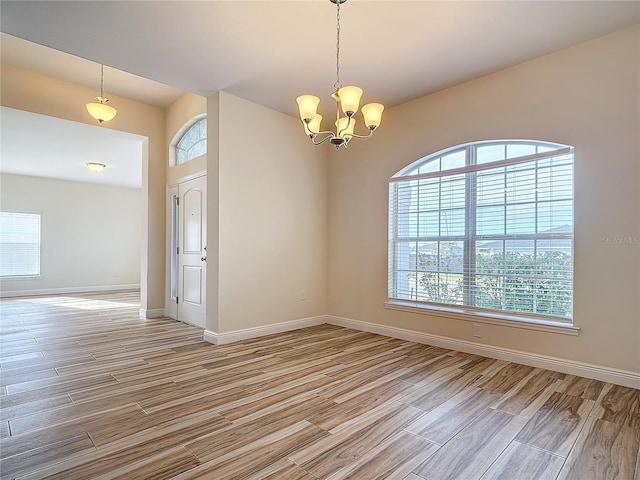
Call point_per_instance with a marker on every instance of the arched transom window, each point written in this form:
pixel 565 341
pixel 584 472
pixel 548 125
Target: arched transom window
pixel 193 143
pixel 485 228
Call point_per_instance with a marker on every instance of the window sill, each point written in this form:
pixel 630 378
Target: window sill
pixel 18 277
pixel 506 320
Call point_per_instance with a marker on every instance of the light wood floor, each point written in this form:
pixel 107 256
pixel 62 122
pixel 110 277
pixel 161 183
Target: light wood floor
pixel 91 391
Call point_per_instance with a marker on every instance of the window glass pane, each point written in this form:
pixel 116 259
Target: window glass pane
pixel 429 196
pixel 406 195
pixel 193 143
pixel 515 150
pixel 403 282
pixel 452 194
pixel 440 278
pixel 555 217
pixel 490 153
pixel 556 257
pixel 555 182
pixel 406 256
pixel 430 166
pixel 521 218
pixel 452 222
pixel 490 220
pixel 454 160
pixel 557 300
pixel 543 149
pixel 520 186
pixel 181 156
pixel 490 187
pixel 408 224
pixel 19 244
pixel 429 224
pixel 427 257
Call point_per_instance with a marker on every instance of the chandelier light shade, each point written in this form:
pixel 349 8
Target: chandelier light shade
pixel 99 109
pixel 347 102
pixel 95 167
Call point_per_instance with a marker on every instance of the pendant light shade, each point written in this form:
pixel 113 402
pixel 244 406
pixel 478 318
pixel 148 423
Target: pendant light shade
pixel 372 113
pixel 349 99
pixel 101 111
pixel 95 166
pixel 308 106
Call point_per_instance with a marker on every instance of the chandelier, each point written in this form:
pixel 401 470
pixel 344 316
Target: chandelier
pixel 99 109
pixel 347 100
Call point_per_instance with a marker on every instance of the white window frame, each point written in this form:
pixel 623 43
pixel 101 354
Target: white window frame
pixel 28 220
pixel 398 301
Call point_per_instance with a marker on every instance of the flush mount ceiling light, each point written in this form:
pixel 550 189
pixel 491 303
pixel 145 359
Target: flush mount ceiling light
pixel 95 167
pixel 347 99
pixel 99 109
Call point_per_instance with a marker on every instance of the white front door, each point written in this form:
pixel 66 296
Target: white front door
pixel 192 251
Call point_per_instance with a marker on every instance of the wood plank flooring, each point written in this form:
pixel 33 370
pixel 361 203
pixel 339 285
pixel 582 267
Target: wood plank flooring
pixel 90 391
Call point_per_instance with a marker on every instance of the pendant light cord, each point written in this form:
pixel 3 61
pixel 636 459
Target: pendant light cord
pixel 338 84
pixel 102 81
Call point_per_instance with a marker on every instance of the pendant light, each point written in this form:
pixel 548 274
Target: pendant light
pixel 99 109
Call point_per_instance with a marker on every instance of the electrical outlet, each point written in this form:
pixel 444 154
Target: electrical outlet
pixel 477 330
pixel 303 295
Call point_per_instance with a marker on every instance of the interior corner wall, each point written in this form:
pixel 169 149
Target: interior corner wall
pixel 90 234
pixel 29 91
pixel 272 218
pixel 587 96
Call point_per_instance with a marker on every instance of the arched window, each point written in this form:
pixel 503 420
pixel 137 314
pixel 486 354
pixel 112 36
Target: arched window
pixel 193 142
pixel 485 228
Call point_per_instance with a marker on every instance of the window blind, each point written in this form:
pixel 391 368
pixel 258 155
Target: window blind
pixel 19 244
pixel 487 226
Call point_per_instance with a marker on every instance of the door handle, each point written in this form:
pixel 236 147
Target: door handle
pixel 203 259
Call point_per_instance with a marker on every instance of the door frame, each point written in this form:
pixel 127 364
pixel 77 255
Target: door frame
pixel 171 304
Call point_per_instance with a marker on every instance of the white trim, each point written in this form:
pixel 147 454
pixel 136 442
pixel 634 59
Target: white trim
pixel 588 370
pixel 492 318
pixel 55 291
pixel 154 313
pixel 187 178
pixel 247 333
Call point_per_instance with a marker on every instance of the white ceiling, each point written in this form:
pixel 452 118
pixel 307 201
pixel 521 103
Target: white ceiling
pixel 42 146
pixel 271 51
pixel 54 63
pixel 266 51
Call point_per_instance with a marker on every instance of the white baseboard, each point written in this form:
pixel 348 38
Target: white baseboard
pixel 152 313
pixel 57 291
pixel 237 335
pixel 606 374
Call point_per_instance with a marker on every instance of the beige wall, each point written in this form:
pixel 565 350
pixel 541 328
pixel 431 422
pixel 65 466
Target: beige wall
pixel 273 218
pixel 186 108
pixel 32 92
pixel 78 246
pixel 587 96
pixel 272 197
